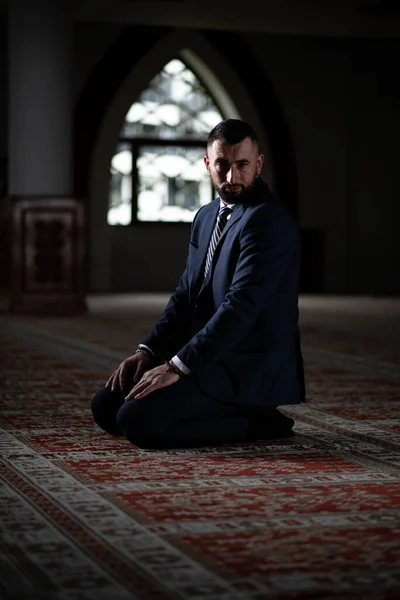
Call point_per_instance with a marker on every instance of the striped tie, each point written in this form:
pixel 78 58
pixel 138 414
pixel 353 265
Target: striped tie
pixel 223 215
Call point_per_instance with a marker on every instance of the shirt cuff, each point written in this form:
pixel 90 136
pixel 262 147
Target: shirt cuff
pixel 182 367
pixel 147 348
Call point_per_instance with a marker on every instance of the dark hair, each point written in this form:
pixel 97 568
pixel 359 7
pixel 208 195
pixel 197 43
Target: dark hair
pixel 232 131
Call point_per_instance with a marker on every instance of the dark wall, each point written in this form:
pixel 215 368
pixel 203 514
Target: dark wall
pixel 3 90
pixel 4 205
pixel 373 193
pixel 342 101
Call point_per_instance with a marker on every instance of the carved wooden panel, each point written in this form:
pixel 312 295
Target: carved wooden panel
pixel 48 250
pixel 47 255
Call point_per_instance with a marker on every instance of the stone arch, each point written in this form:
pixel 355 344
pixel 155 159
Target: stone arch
pixel 113 86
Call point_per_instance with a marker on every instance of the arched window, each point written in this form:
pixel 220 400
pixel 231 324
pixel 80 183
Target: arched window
pixel 157 171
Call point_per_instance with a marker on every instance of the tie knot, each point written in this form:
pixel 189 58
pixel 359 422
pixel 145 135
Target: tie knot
pixel 224 212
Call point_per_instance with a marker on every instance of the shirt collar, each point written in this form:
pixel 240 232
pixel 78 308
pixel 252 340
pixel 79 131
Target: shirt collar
pixel 221 204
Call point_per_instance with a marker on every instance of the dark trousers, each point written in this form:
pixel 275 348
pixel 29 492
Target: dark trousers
pixel 177 416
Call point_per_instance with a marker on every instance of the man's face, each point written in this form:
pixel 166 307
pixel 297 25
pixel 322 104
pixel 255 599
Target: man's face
pixel 233 169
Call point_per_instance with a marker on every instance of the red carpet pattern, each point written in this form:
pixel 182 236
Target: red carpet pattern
pixel 85 516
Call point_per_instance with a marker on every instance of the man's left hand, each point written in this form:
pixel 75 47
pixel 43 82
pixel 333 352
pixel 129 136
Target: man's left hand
pixel 152 380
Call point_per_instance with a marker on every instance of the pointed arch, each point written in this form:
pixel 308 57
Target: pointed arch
pixel 157 171
pixel 109 93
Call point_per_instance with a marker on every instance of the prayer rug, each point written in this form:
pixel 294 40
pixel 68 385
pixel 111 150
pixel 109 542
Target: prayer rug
pixel 87 516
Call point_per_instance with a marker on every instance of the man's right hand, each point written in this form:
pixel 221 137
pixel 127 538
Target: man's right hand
pixel 138 364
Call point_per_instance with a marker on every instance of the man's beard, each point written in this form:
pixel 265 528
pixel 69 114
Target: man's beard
pixel 241 196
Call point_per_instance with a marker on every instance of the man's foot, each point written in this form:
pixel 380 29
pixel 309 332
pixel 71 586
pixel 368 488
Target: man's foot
pixel 272 425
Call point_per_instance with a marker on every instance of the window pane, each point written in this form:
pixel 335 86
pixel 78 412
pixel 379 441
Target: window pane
pixel 173 183
pixel 174 106
pixel 120 191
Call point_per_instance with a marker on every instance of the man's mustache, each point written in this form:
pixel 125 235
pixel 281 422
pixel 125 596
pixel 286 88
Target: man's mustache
pixel 229 186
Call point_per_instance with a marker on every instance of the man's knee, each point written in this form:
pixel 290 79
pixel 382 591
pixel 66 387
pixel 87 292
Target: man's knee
pixel 105 405
pixel 100 402
pixel 138 423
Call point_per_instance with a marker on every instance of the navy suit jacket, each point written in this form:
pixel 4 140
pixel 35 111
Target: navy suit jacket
pixel 238 331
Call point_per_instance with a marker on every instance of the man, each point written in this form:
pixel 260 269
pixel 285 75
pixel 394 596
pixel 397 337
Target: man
pixel 226 350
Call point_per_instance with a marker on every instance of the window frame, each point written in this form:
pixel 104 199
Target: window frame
pixel 134 144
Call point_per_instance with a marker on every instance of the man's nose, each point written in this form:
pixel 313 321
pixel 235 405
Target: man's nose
pixel 231 175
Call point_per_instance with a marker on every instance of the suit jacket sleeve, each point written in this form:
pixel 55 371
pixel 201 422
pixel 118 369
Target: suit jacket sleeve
pixel 169 331
pixel 269 243
pixel 172 329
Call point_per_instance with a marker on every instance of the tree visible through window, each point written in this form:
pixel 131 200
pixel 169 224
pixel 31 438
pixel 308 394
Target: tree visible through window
pixel 157 171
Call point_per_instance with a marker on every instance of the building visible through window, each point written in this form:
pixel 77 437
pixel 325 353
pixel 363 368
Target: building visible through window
pixel 157 171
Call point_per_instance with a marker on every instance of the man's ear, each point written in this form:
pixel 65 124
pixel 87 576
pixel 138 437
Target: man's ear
pixel 260 162
pixel 207 163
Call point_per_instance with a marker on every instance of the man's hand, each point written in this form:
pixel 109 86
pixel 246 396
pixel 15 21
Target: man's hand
pixel 138 364
pixel 152 380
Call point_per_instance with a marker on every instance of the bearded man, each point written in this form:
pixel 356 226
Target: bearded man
pixel 226 351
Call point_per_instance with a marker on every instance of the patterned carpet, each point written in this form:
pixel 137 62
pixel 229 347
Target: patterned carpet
pixel 85 516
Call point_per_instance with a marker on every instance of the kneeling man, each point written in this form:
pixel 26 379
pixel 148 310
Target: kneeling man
pixel 226 350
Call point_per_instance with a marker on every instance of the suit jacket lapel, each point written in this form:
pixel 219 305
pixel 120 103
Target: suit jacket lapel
pixel 206 232
pixel 236 215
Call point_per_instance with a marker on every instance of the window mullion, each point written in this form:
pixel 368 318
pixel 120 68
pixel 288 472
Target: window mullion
pixel 135 181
